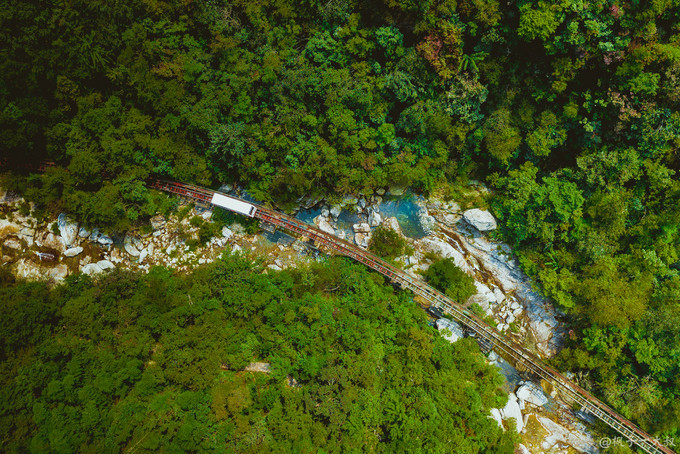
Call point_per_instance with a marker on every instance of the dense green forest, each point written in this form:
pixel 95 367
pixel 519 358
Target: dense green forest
pixel 568 109
pixel 154 363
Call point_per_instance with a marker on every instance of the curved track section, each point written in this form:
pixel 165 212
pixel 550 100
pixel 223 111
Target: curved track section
pixel 503 346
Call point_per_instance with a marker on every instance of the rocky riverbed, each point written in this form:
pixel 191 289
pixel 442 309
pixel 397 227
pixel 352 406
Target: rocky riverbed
pixel 55 248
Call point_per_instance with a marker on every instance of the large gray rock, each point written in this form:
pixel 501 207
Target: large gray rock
pixel 512 411
pixel 362 228
pixel 397 190
pixel 577 438
pixel 482 220
pixel 73 251
pixel 83 232
pixel 68 229
pixel 132 245
pixel 104 240
pixel 456 331
pixel 143 254
pixel 100 238
pixel 324 224
pixel 427 222
pixel 530 392
pixel 91 269
pixel 105 265
pixel 350 202
pixel 362 239
pixel 335 211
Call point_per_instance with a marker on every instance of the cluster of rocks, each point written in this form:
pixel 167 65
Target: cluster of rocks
pixel 366 206
pixel 53 250
pixel 541 429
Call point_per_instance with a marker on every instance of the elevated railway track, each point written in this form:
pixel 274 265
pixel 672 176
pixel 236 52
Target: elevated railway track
pixel 505 347
pixel 499 343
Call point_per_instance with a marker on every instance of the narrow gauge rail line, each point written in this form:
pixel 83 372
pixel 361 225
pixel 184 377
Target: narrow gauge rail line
pixel 503 346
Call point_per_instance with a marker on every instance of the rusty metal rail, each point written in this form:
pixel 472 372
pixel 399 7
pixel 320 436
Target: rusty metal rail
pixel 503 346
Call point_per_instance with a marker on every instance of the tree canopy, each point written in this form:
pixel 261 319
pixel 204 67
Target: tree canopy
pixel 156 362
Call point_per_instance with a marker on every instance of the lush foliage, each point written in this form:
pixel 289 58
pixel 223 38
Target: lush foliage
pixel 446 277
pixel 387 243
pixel 155 362
pixel 569 109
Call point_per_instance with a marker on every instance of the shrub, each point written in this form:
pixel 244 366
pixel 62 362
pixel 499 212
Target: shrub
pixel 387 243
pixel 445 276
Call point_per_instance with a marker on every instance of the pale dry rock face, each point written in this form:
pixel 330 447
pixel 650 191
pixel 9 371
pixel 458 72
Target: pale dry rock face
pixel 393 223
pixel 482 220
pixel 52 241
pixel 512 410
pixel 559 434
pixel 8 228
pixel 530 392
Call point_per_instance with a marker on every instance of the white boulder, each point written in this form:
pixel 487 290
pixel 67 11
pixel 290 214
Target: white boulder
pixel 374 219
pixel 104 240
pixel 12 243
pixel 68 229
pixel 73 251
pixel 92 269
pixel 362 228
pixel 105 265
pixel 324 224
pixel 482 220
pixel 131 245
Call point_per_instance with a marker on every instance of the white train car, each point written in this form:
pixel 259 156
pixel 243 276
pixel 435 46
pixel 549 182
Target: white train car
pixel 232 204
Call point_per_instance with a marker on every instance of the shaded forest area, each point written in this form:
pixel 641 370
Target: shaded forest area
pixel 568 109
pixel 154 363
